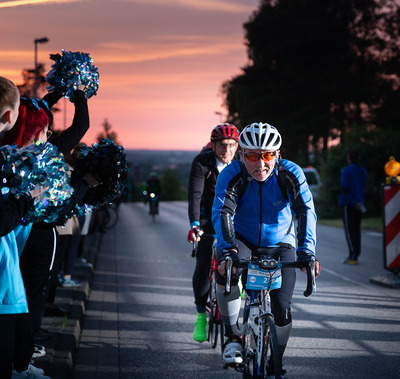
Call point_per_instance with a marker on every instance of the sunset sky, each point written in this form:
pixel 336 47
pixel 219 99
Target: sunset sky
pixel 161 62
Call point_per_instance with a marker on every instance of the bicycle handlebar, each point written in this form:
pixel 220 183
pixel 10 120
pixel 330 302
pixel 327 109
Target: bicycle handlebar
pixel 194 248
pixel 229 264
pixel 268 263
pixel 195 243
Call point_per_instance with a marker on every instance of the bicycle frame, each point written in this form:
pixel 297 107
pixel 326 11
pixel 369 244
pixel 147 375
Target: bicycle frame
pixel 215 324
pixel 256 340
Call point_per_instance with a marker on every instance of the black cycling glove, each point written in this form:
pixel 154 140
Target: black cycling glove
pixel 231 252
pixel 304 256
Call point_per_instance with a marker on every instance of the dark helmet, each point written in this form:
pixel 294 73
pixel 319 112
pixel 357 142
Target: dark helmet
pixel 225 131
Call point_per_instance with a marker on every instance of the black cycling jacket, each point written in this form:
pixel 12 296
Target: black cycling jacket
pixel 202 179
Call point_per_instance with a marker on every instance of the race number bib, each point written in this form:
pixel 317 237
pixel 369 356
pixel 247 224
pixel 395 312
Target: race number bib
pixel 258 279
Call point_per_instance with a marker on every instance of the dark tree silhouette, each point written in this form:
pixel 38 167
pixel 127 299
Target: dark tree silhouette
pixel 317 68
pixel 107 132
pixel 28 81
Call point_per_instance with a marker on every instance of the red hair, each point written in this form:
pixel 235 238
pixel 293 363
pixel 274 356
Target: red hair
pixel 30 123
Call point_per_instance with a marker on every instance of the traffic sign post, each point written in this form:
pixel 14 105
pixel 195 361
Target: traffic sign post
pixel 391 227
pixel 391 236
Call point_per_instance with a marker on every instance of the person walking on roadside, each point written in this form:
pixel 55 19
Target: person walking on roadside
pixel 203 175
pixel 351 198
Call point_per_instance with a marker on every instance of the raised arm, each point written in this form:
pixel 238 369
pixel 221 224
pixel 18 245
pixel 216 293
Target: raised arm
pixel 69 138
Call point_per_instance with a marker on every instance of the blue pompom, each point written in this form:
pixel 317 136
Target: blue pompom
pixel 69 71
pixel 38 165
pixel 107 162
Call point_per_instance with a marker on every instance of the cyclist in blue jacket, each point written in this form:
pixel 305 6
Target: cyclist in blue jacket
pixel 253 206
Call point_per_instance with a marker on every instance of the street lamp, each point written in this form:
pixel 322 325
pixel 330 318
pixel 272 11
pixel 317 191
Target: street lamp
pixel 38 40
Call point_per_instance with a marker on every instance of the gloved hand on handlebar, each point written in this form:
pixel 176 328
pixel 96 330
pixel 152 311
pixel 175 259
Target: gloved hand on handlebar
pixel 195 233
pixel 304 256
pixel 231 252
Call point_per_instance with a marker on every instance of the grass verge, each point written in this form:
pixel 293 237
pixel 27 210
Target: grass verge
pixel 370 223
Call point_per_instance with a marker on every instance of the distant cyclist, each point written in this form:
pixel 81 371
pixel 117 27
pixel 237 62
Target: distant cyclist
pixel 153 186
pixel 254 201
pixel 203 175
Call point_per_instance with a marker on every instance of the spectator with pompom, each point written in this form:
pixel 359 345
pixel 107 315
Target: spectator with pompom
pixel 13 235
pixel 34 124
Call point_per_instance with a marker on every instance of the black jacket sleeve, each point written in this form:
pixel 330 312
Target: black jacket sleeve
pixel 12 209
pixel 68 139
pixel 202 179
pixel 80 187
pixel 11 212
pixel 52 98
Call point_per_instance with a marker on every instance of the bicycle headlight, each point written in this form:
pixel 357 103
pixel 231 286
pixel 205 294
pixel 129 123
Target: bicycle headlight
pixel 267 264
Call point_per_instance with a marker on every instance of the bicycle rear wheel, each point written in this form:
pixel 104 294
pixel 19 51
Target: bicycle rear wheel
pixel 271 362
pixel 153 211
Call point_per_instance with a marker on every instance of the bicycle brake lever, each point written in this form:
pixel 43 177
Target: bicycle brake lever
pixel 194 248
pixel 314 283
pixel 311 285
pixel 228 266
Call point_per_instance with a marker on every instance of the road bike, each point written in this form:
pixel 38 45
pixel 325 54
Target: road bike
pixel 105 218
pixel 111 216
pixel 215 326
pixel 259 337
pixel 153 204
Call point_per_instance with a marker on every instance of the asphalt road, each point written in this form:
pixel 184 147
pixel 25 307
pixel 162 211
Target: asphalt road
pixel 140 315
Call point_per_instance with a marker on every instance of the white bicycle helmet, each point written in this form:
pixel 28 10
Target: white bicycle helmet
pixel 259 136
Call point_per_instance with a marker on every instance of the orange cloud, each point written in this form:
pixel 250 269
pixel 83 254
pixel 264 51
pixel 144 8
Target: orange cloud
pixel 207 5
pixel 117 52
pixel 17 3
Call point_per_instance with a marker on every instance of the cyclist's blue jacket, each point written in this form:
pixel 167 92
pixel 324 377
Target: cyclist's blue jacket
pixel 260 212
pixel 13 237
pixel 12 290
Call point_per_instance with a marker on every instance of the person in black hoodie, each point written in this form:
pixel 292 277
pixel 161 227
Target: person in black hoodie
pixel 202 179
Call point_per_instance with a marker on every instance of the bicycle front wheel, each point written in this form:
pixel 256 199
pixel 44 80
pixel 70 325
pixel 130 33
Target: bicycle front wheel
pixel 249 354
pixel 213 322
pixel 111 217
pixel 271 363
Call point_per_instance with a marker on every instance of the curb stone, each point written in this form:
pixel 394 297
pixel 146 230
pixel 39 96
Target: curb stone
pixel 61 348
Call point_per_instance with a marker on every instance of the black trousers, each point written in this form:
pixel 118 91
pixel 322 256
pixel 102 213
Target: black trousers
pixel 201 275
pixel 62 248
pixel 352 229
pixel 35 263
pixel 7 337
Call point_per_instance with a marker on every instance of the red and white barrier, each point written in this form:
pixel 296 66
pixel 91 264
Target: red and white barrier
pixel 391 199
